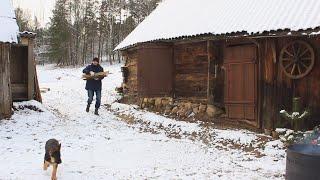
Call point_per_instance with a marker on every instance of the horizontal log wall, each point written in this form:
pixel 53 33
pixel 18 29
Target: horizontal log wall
pixel 131 58
pixel 191 70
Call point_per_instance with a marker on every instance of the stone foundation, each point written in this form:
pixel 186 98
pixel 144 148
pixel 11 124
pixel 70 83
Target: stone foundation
pixel 181 109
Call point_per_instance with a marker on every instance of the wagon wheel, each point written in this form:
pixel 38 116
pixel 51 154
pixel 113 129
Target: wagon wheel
pixel 297 59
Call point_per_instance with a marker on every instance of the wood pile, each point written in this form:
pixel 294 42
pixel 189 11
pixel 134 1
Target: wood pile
pixel 95 76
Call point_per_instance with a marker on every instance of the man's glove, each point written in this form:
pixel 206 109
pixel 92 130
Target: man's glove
pixel 91 73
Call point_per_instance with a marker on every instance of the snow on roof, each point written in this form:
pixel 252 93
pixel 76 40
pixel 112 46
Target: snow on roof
pixel 9 28
pixel 177 18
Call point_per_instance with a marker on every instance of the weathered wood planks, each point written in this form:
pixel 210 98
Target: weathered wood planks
pixel 5 84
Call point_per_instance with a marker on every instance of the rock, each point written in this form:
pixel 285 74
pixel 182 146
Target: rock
pixel 143 105
pixel 182 112
pixel 212 111
pixel 187 105
pixel 188 113
pixel 170 100
pixel 168 109
pixel 195 110
pixel 151 101
pixel 165 102
pixel 275 135
pixel 145 100
pixel 157 102
pixel 175 110
pixel 202 108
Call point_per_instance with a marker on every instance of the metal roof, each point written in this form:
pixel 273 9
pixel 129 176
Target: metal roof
pixel 181 18
pixel 8 24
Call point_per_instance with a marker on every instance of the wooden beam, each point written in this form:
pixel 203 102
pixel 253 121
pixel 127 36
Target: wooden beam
pixel 37 88
pixel 31 70
pixel 209 80
pixel 5 83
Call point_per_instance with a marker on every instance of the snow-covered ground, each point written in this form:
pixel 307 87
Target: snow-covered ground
pixel 125 142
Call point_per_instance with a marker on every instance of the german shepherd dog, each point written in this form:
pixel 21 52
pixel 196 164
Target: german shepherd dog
pixel 52 156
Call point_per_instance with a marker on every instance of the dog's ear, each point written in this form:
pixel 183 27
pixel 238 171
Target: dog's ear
pixel 59 146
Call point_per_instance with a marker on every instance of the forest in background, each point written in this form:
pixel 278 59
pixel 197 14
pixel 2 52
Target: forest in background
pixel 82 29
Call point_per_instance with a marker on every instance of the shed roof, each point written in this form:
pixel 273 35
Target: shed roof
pixel 182 18
pixel 9 28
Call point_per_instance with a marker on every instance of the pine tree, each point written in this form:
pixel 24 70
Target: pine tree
pixel 59 34
pixel 82 29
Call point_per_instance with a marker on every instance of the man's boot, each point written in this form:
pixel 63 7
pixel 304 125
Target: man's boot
pixel 96 112
pixel 88 107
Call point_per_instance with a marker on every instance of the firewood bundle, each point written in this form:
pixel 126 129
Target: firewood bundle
pixel 98 75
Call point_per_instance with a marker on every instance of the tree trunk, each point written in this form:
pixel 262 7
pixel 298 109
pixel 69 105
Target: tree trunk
pixel 99 47
pixel 84 53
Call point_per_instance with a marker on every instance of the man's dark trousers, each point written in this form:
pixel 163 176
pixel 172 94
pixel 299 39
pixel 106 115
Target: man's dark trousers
pixel 98 97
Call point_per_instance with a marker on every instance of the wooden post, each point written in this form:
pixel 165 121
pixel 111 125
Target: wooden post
pixel 5 84
pixel 209 79
pixel 31 70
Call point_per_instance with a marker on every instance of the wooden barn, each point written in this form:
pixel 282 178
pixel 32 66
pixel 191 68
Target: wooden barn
pixel 18 80
pixel 238 62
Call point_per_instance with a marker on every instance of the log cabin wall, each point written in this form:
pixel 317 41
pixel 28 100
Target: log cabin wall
pixel 131 62
pixel 278 89
pixel 191 70
pixel 197 81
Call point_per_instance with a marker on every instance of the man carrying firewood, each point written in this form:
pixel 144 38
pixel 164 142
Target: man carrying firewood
pixel 94 84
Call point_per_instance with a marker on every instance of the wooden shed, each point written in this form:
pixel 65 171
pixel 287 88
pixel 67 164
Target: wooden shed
pixel 18 80
pixel 231 62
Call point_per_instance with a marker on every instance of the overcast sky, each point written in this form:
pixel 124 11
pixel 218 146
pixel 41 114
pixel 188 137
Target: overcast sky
pixel 40 8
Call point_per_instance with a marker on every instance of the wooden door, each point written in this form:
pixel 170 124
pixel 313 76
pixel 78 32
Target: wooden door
pixel 155 71
pixel 241 83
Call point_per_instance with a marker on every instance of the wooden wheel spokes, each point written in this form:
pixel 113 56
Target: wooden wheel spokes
pixel 297 59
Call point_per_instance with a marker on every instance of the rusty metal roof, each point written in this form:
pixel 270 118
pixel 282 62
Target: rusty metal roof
pixel 183 18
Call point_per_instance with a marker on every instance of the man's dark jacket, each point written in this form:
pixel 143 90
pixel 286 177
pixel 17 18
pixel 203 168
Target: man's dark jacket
pixel 93 84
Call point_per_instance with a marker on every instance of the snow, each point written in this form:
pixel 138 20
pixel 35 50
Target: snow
pixel 179 18
pixel 283 111
pixel 281 130
pixel 125 142
pixel 295 114
pixel 9 28
pixel 305 113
